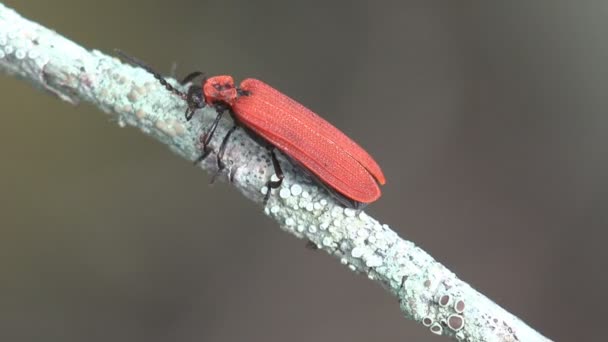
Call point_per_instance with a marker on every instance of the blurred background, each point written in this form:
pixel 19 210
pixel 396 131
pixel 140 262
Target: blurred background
pixel 488 118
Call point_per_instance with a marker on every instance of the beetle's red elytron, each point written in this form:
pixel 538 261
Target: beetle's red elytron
pixel 325 151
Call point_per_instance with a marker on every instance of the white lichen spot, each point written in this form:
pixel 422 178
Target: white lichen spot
pixel 290 222
pixel 349 212
pixel 266 211
pixel 122 123
pixel 336 212
pixel 371 239
pixel 459 306
pixel 275 209
pixel 427 321
pixel 120 108
pixel 371 276
pixel 305 194
pixel 133 96
pixel 344 261
pixel 344 245
pixel 328 241
pixel 41 61
pixel 179 128
pixel 309 206
pixel 300 228
pixel 358 252
pixel 284 193
pixel 373 260
pixel 337 222
pixel 436 328
pixel 139 90
pixel 9 49
pixel 163 126
pixel 140 114
pixel 323 202
pixel 3 40
pixel 152 86
pixel 312 229
pixel 363 216
pixel 455 322
pixel 33 54
pixel 20 54
pixel 363 233
pixel 12 35
pixel 352 267
pixel 324 225
pixel 317 206
pixel 274 178
pixel 296 190
pixel 444 300
pixel 264 190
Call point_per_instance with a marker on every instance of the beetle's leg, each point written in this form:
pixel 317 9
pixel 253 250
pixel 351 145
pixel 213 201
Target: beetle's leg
pixel 277 170
pixel 220 154
pixel 311 245
pixel 191 76
pixel 206 138
pixel 344 201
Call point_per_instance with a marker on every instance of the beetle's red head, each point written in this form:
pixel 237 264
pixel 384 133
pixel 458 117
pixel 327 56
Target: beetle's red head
pixel 220 89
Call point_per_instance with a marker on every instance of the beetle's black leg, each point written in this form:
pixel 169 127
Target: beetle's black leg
pixel 220 109
pixel 278 172
pixel 311 245
pixel 345 201
pixel 220 154
pixel 231 173
pixel 191 76
pixel 206 138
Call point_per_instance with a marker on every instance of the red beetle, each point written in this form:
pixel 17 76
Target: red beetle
pixel 325 151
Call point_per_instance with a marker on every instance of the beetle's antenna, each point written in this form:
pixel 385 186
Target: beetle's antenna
pixel 149 69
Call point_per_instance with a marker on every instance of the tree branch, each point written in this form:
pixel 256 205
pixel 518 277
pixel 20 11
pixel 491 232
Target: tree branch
pixel 427 291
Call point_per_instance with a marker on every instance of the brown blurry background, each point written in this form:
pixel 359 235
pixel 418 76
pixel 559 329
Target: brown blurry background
pixel 489 119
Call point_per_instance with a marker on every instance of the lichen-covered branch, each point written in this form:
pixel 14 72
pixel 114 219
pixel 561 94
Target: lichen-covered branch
pixel 426 290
